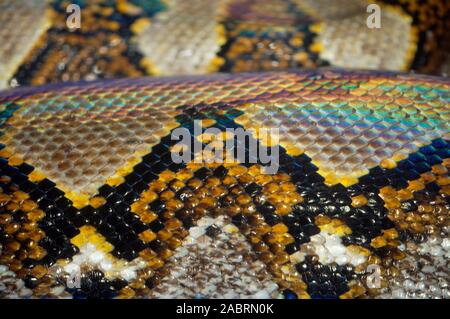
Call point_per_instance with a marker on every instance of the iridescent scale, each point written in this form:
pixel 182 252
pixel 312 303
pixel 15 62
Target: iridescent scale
pixel 88 186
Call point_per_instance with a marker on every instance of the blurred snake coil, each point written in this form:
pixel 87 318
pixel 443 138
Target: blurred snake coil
pixel 92 204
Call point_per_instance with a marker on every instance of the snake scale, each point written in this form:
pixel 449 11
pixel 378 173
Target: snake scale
pixel 94 205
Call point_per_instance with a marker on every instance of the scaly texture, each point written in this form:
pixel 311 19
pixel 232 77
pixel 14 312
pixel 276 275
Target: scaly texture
pixel 90 192
pixel 185 39
pixel 22 25
pixel 131 38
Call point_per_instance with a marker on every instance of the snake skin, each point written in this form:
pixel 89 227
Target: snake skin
pixel 131 38
pixel 88 184
pixel 92 204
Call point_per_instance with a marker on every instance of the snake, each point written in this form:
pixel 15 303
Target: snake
pixel 132 38
pixel 94 204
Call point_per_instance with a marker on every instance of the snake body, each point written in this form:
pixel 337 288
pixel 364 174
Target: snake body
pixel 130 38
pixel 93 204
pixel 88 183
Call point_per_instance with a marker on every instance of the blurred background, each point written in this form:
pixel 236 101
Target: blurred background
pixel 58 41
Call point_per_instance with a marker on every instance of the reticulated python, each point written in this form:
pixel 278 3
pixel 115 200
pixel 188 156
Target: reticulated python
pixel 93 205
